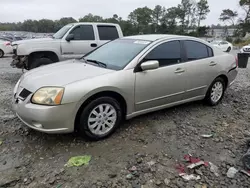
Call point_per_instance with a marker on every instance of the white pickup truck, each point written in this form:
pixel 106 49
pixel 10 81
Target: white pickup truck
pixel 72 41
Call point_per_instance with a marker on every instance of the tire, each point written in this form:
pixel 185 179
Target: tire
pixel 40 62
pixel 214 96
pixel 229 49
pixel 246 161
pixel 89 128
pixel 1 53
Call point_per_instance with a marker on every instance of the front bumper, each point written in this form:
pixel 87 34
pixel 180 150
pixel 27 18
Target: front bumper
pixel 19 61
pixel 47 119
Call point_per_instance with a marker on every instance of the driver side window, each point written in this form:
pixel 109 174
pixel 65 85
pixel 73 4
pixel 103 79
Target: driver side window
pixel 83 32
pixel 168 53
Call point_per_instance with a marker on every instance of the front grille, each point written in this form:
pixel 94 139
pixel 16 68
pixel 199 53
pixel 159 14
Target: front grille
pixel 24 94
pixel 246 49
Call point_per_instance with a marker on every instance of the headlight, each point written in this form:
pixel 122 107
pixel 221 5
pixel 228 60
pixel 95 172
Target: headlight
pixel 48 96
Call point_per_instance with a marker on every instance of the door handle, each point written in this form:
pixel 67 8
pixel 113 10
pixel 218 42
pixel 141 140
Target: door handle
pixel 179 70
pixel 93 45
pixel 212 63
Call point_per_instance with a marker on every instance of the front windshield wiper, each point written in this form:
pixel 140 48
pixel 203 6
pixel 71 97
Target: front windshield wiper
pixel 100 64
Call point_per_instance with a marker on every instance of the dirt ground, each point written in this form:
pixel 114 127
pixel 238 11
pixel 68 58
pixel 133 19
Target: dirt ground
pixel 144 153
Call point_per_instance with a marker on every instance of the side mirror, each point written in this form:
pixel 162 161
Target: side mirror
pixel 69 37
pixel 150 65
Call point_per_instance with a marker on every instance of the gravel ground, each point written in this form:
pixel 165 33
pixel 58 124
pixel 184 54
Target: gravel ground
pixel 144 152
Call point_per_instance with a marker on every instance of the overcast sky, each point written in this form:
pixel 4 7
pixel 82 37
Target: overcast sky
pixel 19 10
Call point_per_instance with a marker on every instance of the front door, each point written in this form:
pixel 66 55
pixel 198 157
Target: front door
pixel 83 42
pixel 164 85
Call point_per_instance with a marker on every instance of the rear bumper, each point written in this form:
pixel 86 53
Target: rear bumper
pixel 232 74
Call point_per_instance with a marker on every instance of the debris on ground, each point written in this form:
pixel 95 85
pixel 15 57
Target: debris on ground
pixel 129 176
pixel 207 135
pixel 1 142
pixel 245 172
pixel 231 172
pixel 188 177
pixel 133 168
pixel 78 161
pixel 180 168
pixel 214 169
pixel 194 165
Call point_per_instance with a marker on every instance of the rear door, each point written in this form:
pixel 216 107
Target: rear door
pixel 84 41
pixel 106 33
pixel 201 68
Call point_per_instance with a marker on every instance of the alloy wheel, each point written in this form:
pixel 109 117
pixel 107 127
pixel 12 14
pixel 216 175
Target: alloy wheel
pixel 216 92
pixel 102 119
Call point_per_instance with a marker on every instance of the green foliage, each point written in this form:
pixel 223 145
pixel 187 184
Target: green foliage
pixel 238 41
pixel 202 31
pixel 202 10
pixel 229 39
pixel 228 15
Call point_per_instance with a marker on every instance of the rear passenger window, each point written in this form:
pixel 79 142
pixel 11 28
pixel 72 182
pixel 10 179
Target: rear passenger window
pixel 107 32
pixel 196 50
pixel 167 53
pixel 83 32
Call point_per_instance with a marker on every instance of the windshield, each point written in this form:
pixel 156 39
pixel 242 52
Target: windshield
pixel 118 53
pixel 59 34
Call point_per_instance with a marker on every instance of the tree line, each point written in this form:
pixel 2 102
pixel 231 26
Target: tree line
pixel 231 17
pixel 189 13
pixel 173 20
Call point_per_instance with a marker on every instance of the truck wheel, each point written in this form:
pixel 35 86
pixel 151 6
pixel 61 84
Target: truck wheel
pixel 40 62
pixel 1 53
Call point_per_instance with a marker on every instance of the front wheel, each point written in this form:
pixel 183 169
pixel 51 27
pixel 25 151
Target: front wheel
pixel 216 91
pixel 100 118
pixel 1 53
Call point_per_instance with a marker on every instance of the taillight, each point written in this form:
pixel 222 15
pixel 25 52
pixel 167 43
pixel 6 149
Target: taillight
pixel 7 44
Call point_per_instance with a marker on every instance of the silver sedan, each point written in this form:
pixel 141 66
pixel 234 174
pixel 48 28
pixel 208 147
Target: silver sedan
pixel 120 80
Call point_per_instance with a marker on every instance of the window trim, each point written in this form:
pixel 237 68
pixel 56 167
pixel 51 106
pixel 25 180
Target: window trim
pixel 78 26
pixel 185 50
pixel 141 59
pixel 97 27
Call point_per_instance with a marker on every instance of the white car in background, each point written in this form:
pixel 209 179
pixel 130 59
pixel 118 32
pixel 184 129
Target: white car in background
pixel 5 47
pixel 223 45
pixel 245 49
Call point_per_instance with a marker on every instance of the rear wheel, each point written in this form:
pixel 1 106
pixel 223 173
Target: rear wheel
pixel 100 118
pixel 40 62
pixel 229 49
pixel 216 91
pixel 1 53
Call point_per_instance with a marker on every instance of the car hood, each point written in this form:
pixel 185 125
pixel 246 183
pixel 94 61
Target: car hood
pixel 41 40
pixel 60 74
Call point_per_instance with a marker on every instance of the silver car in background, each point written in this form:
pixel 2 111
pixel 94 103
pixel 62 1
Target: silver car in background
pixel 120 80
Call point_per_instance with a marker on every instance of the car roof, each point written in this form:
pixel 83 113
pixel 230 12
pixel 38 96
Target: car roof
pixel 94 23
pixel 154 37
